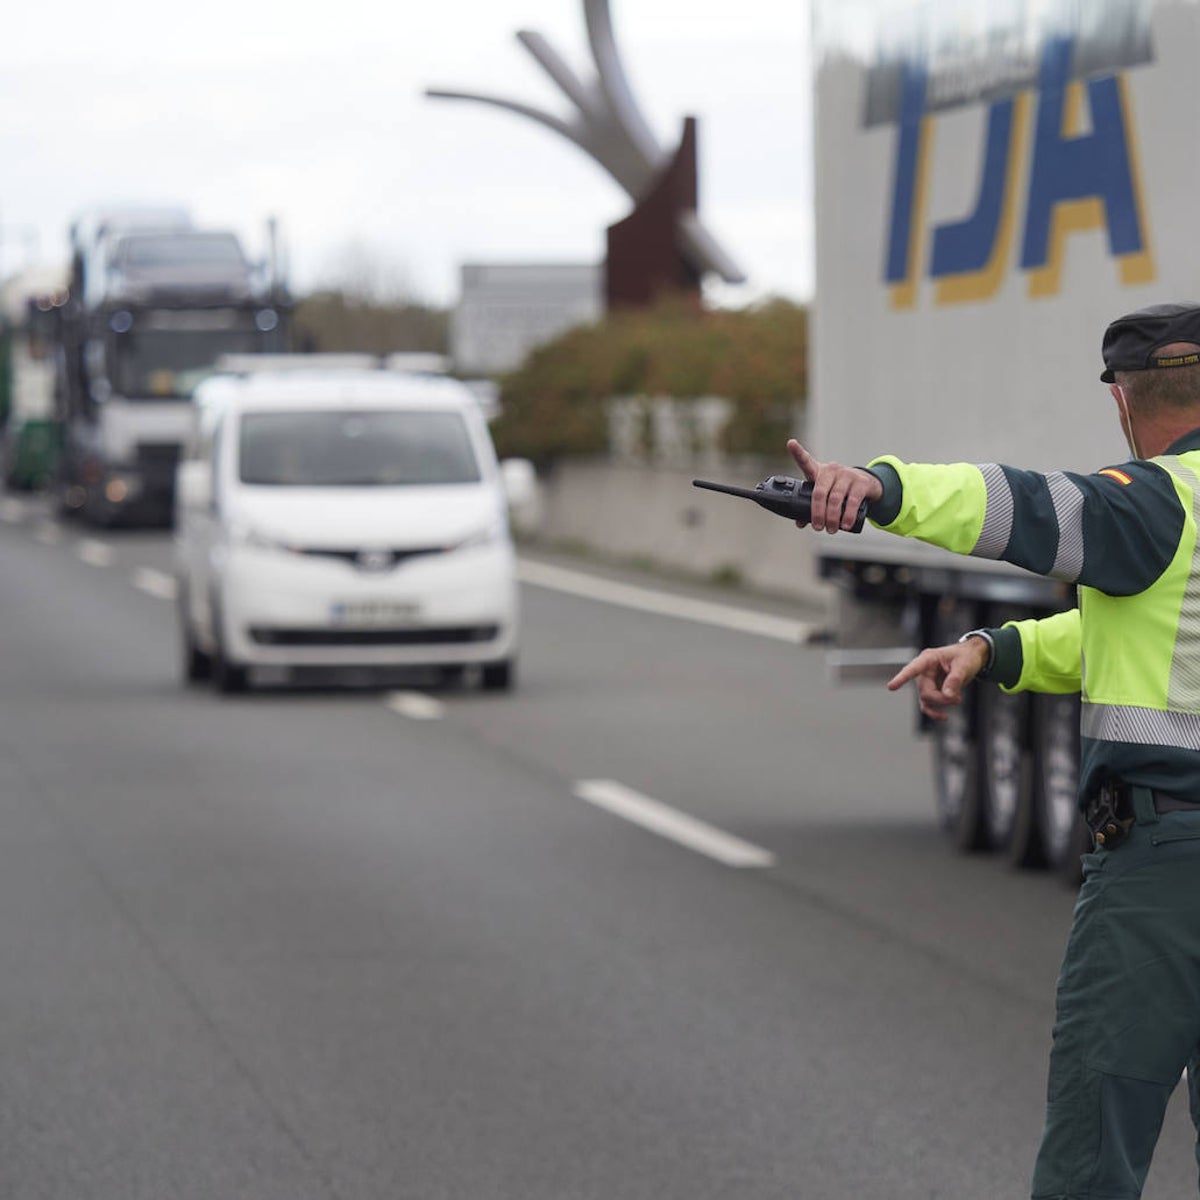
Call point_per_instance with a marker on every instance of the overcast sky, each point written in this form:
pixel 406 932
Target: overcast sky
pixel 239 109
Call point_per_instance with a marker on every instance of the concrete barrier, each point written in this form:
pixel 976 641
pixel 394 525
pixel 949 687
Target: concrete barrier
pixel 651 514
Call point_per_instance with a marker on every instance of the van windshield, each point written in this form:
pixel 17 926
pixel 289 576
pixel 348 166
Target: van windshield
pixel 356 449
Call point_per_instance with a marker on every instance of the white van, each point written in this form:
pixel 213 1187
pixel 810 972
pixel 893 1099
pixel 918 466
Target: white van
pixel 344 518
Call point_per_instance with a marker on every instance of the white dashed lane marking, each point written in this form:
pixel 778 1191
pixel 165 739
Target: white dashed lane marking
pixel 94 553
pixel 154 583
pixel 416 706
pixel 11 511
pixel 670 823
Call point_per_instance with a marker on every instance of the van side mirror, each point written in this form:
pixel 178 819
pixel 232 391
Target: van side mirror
pixel 522 492
pixel 520 481
pixel 193 484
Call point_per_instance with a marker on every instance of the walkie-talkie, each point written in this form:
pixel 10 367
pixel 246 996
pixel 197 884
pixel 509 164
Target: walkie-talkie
pixel 783 495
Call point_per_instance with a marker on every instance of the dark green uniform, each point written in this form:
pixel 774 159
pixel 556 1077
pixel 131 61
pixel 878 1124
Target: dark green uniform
pixel 1128 1019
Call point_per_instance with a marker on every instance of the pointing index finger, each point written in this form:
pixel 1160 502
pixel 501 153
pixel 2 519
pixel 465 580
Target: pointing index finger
pixel 804 460
pixel 908 672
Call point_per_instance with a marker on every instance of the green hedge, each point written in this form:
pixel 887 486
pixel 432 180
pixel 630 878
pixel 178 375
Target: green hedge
pixel 330 322
pixel 554 405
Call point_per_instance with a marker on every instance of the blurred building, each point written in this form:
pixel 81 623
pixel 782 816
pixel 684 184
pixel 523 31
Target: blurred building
pixel 505 310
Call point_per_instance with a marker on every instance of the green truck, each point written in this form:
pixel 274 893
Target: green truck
pixel 29 431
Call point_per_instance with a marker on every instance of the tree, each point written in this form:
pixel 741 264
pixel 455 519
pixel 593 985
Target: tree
pixel 331 322
pixel 757 358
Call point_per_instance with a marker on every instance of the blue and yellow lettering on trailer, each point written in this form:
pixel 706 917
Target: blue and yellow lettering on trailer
pixel 1060 157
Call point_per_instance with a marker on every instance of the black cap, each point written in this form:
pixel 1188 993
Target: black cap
pixel 1131 342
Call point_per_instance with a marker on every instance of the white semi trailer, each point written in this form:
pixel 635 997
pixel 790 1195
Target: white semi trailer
pixel 995 181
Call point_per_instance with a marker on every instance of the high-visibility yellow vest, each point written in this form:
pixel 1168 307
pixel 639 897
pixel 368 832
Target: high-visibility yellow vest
pixel 1141 653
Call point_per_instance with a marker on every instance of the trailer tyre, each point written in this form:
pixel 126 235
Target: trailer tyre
pixel 955 756
pixel 956 778
pixel 1005 768
pixel 1060 828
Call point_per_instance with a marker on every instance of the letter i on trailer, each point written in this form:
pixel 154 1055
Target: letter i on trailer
pixel 994 183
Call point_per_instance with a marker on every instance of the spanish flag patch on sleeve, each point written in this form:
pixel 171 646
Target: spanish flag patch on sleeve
pixel 1119 476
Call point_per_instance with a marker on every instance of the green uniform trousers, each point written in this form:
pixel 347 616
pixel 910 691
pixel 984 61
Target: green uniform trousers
pixel 1128 1019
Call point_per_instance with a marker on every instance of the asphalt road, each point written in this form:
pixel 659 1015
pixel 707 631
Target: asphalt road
pixel 392 944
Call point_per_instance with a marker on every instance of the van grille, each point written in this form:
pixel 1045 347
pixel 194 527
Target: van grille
pixel 265 635
pixel 370 559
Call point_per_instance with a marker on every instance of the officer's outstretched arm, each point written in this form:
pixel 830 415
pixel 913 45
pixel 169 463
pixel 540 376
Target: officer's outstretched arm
pixel 1115 530
pixel 941 673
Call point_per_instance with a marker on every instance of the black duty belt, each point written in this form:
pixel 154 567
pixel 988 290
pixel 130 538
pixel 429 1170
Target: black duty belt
pixel 1110 813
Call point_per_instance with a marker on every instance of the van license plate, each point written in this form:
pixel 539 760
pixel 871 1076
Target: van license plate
pixel 374 613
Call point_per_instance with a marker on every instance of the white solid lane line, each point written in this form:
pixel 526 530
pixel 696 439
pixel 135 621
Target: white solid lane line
pixel 94 553
pixel 11 511
pixel 671 823
pixel 577 583
pixel 154 583
pixel 416 706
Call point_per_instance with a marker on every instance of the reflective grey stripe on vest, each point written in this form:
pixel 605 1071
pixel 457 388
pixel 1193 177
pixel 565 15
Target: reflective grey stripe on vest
pixel 1144 726
pixel 1068 510
pixel 998 520
pixel 1183 688
pixel 998 516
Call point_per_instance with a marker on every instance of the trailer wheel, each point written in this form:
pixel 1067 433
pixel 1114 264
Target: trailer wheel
pixel 955 756
pixel 956 777
pixel 1005 767
pixel 1060 828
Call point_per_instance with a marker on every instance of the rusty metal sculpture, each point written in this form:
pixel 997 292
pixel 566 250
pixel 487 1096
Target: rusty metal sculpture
pixel 662 246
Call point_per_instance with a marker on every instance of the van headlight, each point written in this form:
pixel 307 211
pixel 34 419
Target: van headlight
pixel 495 532
pixel 249 537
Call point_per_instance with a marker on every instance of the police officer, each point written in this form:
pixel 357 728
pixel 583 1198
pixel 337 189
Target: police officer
pixel 1128 1007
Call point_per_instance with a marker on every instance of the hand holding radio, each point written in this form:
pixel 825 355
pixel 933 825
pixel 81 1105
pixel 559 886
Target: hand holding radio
pixel 839 492
pixel 832 497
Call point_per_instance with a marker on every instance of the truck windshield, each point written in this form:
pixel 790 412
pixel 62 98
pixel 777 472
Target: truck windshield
pixel 169 363
pixel 356 449
pixel 180 249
